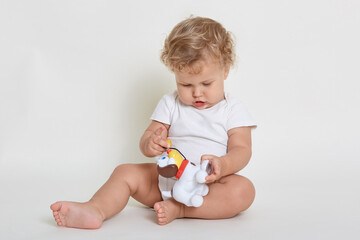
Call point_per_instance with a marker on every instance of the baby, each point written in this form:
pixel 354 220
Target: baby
pixel 200 119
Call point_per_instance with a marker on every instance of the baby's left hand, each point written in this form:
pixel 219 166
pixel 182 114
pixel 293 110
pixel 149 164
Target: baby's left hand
pixel 216 167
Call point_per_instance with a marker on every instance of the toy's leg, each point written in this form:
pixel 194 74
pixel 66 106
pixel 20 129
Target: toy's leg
pixel 202 190
pixel 180 194
pixel 197 200
pixel 166 194
pixel 205 190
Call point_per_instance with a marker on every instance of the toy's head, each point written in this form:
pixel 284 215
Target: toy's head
pixel 176 164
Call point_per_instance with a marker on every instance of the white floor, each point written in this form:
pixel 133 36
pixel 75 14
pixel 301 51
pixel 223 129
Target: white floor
pixel 292 211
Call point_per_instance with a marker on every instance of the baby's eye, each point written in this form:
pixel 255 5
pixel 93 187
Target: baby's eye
pixel 186 85
pixel 207 84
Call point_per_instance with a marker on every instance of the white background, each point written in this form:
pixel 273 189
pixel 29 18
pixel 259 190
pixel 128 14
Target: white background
pixel 80 79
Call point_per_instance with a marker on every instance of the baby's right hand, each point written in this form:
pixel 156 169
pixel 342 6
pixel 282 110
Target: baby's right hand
pixel 157 144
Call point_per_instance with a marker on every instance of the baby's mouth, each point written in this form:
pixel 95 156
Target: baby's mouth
pixel 199 103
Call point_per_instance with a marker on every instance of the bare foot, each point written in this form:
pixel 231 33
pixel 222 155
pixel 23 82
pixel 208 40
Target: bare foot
pixel 168 210
pixel 77 215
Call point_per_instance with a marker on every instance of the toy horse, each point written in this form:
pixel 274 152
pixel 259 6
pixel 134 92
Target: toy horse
pixel 190 187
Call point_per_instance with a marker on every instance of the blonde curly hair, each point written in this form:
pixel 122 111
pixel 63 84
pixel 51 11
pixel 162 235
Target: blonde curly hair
pixel 195 39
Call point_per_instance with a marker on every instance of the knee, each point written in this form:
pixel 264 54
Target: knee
pixel 122 168
pixel 135 176
pixel 123 171
pixel 243 194
pixel 126 174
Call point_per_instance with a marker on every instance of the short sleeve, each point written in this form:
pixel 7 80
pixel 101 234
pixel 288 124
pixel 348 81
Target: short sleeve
pixel 164 108
pixel 238 116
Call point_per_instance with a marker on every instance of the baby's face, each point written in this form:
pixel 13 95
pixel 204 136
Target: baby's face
pixel 202 90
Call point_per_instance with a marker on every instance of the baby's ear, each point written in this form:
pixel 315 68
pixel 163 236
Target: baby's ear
pixel 168 171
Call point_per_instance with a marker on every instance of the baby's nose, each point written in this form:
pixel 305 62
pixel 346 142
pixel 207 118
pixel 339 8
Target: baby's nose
pixel 197 92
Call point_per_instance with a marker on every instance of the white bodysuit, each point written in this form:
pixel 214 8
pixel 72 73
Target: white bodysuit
pixel 197 132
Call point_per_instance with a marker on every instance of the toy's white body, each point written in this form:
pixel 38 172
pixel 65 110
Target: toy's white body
pixel 190 188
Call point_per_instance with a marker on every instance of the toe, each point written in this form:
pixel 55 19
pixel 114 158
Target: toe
pixel 156 206
pixel 161 215
pixel 55 206
pixel 160 209
pixel 162 221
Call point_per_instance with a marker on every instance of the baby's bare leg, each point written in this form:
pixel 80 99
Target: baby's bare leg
pixel 227 197
pixel 137 180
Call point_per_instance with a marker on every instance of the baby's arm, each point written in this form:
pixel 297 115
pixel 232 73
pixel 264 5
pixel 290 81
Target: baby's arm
pixel 237 157
pixel 152 142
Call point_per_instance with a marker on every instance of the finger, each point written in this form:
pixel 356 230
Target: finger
pixel 159 131
pixel 211 178
pixel 158 149
pixel 216 171
pixel 163 143
pixel 156 139
pixel 206 157
pixel 159 141
pixel 155 152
